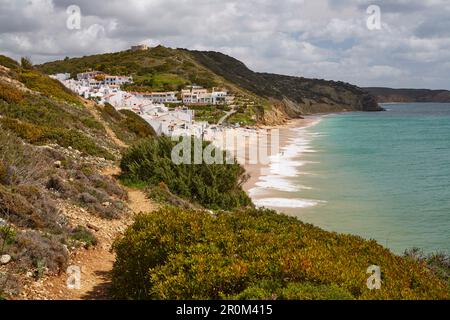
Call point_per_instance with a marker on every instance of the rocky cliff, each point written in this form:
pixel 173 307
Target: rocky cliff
pixel 385 95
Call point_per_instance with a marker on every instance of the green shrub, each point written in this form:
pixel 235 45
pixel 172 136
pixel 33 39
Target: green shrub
pixel 85 236
pixel 64 137
pixel 48 87
pixel 7 237
pixel 26 63
pixel 10 94
pixel 8 62
pixel 307 291
pixel 214 186
pixel 137 125
pixel 255 254
pixel 162 195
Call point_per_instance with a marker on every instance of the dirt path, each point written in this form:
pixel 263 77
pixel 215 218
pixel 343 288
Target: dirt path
pixel 93 110
pixel 95 264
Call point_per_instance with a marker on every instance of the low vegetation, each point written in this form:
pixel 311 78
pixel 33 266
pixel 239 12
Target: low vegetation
pixel 50 88
pixel 257 254
pixel 127 125
pixel 40 110
pixel 213 186
pixel 210 114
pixel 51 152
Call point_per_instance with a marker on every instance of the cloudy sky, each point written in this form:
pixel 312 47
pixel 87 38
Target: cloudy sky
pixel 313 38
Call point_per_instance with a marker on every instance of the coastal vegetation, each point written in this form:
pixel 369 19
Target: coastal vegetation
pixel 52 151
pixel 214 186
pixel 386 95
pixel 127 125
pixel 41 110
pixel 257 254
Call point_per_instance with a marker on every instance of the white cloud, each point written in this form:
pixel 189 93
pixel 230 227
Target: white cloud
pixel 314 38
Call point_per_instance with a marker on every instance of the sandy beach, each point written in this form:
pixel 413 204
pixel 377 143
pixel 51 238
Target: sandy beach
pixel 286 134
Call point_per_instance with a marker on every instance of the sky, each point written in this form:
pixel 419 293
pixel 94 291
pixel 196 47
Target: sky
pixel 326 39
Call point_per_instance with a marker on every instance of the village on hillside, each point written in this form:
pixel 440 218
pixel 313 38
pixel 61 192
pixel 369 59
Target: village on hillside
pixel 169 113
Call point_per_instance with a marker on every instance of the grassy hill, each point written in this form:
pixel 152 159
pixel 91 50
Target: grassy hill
pixel 306 96
pixel 263 98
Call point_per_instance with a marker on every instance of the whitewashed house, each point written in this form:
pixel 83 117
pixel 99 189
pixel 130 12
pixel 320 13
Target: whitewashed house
pixel 117 80
pixel 61 77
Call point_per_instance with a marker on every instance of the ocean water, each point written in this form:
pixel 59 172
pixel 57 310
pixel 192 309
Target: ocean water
pixel 383 176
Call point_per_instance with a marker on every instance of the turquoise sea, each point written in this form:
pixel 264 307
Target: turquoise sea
pixel 383 176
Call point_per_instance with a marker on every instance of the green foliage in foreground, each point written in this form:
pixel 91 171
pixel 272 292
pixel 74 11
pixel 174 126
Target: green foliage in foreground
pixel 214 186
pixel 256 254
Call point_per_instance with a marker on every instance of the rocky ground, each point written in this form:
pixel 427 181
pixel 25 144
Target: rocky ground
pixel 95 263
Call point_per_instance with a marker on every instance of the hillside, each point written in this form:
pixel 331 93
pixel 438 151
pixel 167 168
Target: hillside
pixel 386 95
pixel 300 95
pixel 62 203
pixel 54 148
pixel 264 98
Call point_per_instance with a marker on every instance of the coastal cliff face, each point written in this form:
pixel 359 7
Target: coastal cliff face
pixel 296 96
pixel 385 95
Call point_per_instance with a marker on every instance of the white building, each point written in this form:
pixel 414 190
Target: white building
pixel 61 76
pixel 159 97
pixel 88 75
pixel 140 47
pixel 200 96
pixel 117 80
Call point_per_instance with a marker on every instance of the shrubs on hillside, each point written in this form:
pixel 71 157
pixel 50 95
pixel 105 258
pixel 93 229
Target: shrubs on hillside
pixel 36 134
pixel 10 94
pixel 48 87
pixel 256 254
pixel 38 186
pixel 214 186
pixel 8 62
pixel 50 113
pixel 127 125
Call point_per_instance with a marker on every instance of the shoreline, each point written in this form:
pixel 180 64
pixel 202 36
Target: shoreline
pixel 258 171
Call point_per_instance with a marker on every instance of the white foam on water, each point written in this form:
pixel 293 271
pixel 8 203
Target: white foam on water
pixel 286 165
pixel 277 182
pixel 277 176
pixel 286 203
